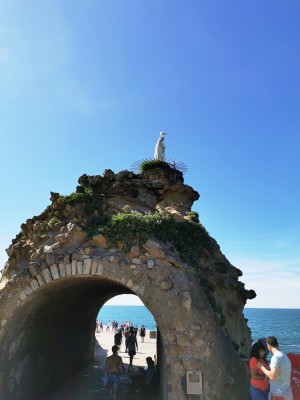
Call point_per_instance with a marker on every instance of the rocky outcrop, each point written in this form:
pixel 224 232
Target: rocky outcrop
pixel 136 230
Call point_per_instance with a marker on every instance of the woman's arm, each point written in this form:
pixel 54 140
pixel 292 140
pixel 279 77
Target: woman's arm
pixel 255 375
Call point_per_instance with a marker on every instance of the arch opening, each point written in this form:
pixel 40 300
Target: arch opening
pixel 51 336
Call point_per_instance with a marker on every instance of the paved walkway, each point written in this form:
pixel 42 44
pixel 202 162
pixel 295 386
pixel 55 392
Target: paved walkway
pixel 87 385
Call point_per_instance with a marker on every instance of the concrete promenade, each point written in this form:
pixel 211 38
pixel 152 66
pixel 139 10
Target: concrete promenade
pixel 87 385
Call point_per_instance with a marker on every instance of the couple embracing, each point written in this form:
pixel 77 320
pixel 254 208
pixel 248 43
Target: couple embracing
pixel 269 380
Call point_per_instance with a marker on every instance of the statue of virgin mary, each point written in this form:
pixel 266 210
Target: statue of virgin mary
pixel 159 152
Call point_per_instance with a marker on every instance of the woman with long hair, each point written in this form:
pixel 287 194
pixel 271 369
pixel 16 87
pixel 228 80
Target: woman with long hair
pixel 259 383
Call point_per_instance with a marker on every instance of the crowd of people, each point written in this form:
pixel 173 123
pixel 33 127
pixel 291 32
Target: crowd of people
pixel 144 379
pixel 269 380
pixel 113 327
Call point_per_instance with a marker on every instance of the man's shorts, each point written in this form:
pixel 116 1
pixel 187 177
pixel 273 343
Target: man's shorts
pixel 113 379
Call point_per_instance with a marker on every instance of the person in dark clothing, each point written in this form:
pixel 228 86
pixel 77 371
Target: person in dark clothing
pixel 147 383
pixel 118 338
pixel 143 333
pixel 131 346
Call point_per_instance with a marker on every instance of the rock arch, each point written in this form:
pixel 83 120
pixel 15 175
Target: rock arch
pixel 50 299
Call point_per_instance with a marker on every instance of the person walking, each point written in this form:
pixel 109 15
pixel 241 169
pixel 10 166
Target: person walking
pixel 131 345
pixel 113 365
pixel 280 371
pixel 259 383
pixel 118 338
pixel 143 333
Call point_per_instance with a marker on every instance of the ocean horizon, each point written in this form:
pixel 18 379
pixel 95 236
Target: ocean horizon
pixel 283 323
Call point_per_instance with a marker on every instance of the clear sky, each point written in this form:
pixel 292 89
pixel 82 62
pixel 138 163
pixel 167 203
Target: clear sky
pixel 87 85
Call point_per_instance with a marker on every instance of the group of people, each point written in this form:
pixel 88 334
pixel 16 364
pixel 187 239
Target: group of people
pixel 113 327
pixel 268 380
pixel 114 363
pixel 147 380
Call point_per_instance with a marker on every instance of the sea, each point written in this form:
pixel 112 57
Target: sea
pixel 284 324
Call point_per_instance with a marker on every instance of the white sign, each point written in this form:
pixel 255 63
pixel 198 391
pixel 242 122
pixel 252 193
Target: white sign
pixel 194 382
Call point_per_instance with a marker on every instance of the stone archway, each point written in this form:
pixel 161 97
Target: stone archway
pixel 48 311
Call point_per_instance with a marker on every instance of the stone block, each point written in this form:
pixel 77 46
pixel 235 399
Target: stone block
pixel 28 290
pixel 129 284
pixel 34 284
pixel 41 280
pixel 33 269
pixel 134 251
pixel 54 271
pixel 94 267
pixel 22 296
pixel 100 269
pixel 79 267
pixel 47 275
pixel 74 267
pixel 62 270
pixel 150 264
pixel 111 258
pixel 99 241
pixel 87 264
pixel 136 261
pixel 69 269
pixel 50 258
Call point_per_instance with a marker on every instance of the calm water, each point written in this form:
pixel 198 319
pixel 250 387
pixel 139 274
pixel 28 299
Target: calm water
pixel 137 315
pixel 263 322
pixel 284 324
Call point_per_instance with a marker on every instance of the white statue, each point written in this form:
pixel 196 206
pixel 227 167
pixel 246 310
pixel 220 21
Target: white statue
pixel 159 152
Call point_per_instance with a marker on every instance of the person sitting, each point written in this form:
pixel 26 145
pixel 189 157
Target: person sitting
pixel 148 381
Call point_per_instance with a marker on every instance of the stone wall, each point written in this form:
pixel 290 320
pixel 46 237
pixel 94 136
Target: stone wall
pixel 59 274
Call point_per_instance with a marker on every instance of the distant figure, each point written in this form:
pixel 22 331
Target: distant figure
pixel 131 345
pixel 259 383
pixel 159 152
pixel 118 338
pixel 113 365
pixel 143 333
pixel 280 371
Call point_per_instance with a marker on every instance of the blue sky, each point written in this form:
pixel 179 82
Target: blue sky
pixel 88 85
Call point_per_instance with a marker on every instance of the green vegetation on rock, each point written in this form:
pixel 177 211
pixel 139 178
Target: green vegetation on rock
pixel 90 200
pixel 153 164
pixel 193 216
pixel 187 237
